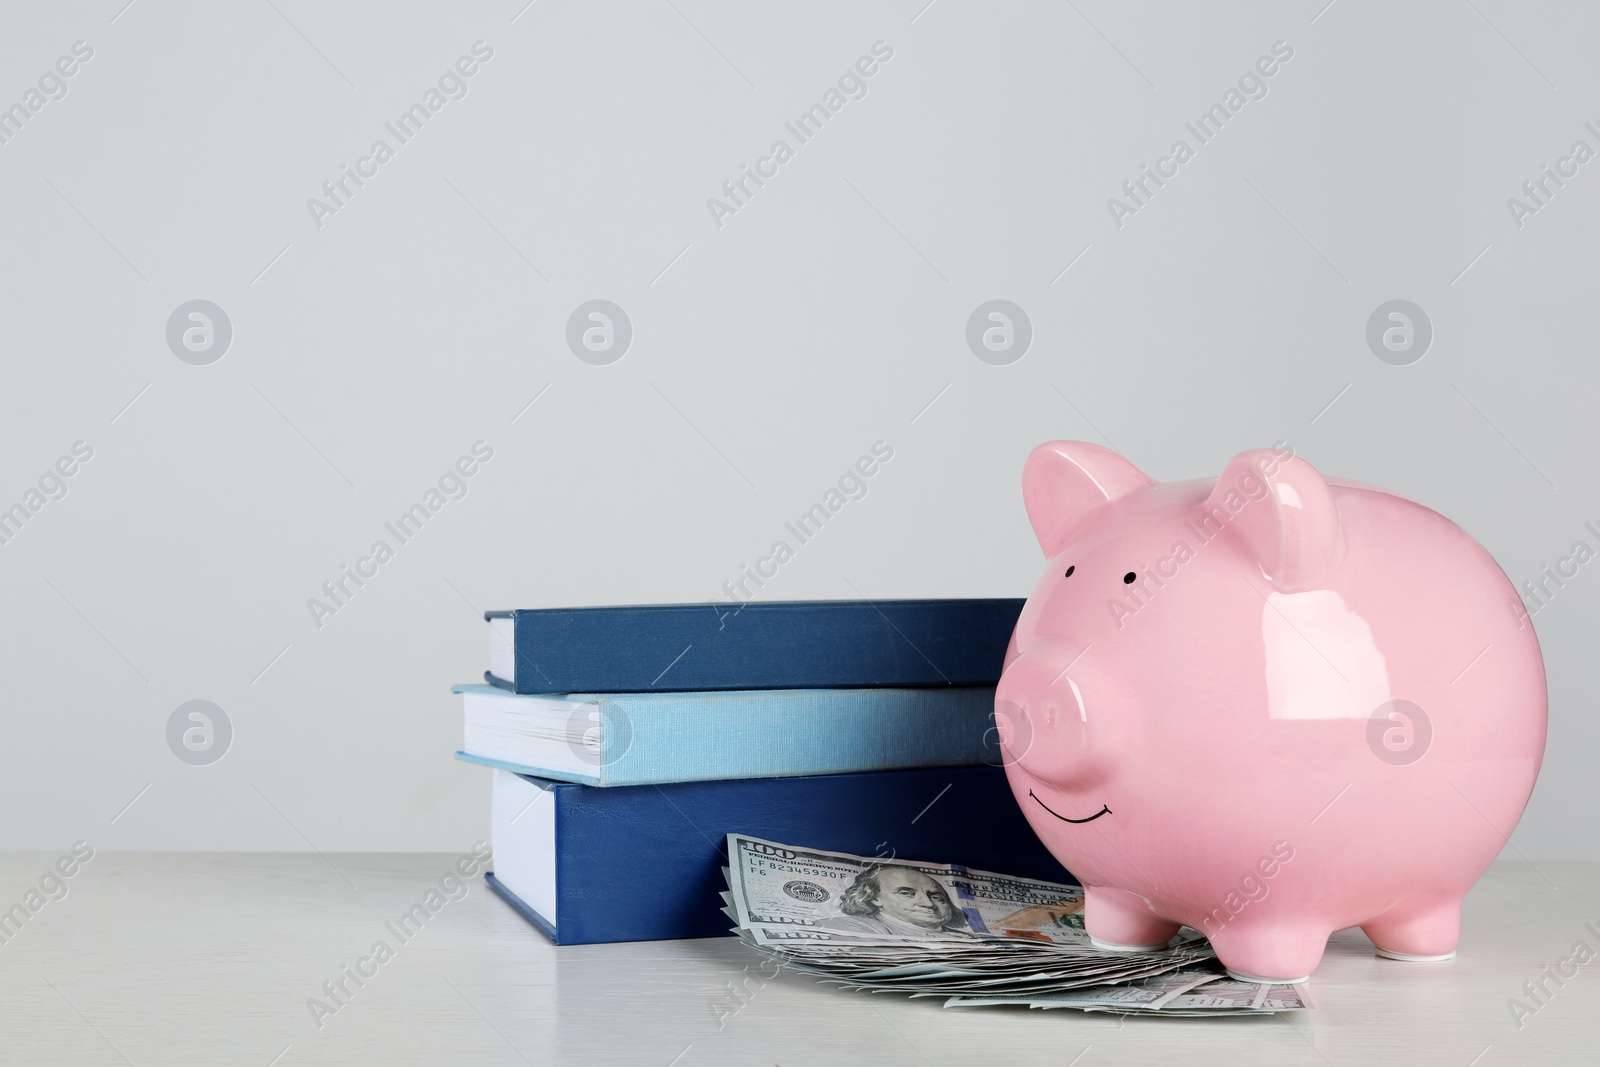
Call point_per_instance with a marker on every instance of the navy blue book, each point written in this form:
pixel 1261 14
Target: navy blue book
pixel 816 644
pixel 643 863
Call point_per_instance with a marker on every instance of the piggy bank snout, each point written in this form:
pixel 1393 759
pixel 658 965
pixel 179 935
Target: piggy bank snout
pixel 1044 721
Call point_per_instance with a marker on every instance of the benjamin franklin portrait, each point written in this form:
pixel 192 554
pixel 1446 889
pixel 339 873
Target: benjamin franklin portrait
pixel 900 902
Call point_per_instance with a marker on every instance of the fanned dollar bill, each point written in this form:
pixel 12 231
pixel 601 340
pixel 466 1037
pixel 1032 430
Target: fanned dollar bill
pixel 1179 993
pixel 978 938
pixel 784 894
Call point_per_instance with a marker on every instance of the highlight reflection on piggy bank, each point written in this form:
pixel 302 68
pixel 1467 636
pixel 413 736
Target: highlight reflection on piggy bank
pixel 1269 707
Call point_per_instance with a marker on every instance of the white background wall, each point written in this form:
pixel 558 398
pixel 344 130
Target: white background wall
pixel 768 353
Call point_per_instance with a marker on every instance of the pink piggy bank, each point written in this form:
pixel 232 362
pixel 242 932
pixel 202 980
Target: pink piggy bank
pixel 1268 707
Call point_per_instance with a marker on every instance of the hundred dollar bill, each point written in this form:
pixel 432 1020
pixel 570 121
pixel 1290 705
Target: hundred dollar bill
pixel 1185 992
pixel 787 895
pixel 976 938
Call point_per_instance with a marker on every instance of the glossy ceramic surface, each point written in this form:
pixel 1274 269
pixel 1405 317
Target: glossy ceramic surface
pixel 1269 706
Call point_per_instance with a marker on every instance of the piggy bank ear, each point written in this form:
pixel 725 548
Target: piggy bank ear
pixel 1065 482
pixel 1284 511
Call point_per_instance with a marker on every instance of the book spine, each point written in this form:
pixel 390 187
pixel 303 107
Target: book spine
pixel 763 734
pixel 768 646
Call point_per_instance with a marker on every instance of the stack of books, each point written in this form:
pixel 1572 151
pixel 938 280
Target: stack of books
pixel 627 742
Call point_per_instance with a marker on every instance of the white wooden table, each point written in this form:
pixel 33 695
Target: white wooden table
pixel 211 958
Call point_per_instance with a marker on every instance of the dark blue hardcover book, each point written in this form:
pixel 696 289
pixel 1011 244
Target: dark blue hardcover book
pixel 816 644
pixel 643 863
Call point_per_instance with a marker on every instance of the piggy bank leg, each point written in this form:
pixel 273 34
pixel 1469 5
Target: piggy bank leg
pixel 1276 952
pixel 1420 929
pixel 1119 921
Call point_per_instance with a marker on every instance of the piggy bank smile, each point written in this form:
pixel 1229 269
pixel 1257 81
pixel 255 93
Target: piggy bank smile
pixel 1103 811
pixel 1306 699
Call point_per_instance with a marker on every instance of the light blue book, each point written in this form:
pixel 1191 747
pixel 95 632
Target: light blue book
pixel 651 738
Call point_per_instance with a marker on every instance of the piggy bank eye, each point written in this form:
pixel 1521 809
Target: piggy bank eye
pixel 1127 579
pixel 1069 572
